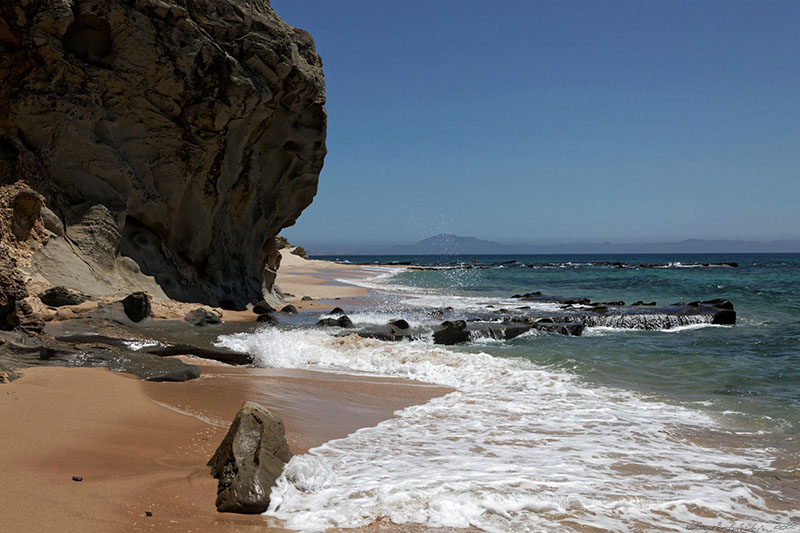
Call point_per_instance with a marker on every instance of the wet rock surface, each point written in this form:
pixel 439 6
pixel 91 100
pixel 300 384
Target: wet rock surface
pixel 249 460
pixel 144 349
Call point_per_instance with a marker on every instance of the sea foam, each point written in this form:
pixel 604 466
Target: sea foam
pixel 516 447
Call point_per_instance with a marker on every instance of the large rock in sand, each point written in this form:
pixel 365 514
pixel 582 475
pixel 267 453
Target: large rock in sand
pixel 181 134
pixel 249 460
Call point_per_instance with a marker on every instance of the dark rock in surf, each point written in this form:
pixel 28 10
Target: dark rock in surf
pixel 398 325
pixel 454 332
pixel 341 322
pixel 719 303
pixel 215 354
pixel 289 309
pixel 336 311
pixel 725 317
pixel 249 460
pixel 268 318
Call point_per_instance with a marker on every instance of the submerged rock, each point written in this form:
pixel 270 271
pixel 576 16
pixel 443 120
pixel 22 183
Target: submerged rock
pixel 249 460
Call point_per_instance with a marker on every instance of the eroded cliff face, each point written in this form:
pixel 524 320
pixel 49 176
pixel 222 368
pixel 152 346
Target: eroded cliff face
pixel 170 139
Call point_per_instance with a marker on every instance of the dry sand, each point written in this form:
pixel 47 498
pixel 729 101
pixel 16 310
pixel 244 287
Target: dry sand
pixel 142 447
pixel 320 280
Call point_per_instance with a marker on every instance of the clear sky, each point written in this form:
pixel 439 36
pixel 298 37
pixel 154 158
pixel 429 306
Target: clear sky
pixel 556 121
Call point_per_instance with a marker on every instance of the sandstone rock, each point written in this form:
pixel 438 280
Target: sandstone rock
pixel 12 287
pixel 51 222
pixel 249 460
pixel 60 296
pixel 27 205
pixel 299 251
pixel 196 130
pixel 26 318
pixel 202 317
pixel 137 306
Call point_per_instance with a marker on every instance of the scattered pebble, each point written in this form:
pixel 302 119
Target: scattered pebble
pixel 77 478
pixel 148 513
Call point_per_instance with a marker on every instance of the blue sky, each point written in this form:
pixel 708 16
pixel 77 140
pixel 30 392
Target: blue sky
pixel 557 121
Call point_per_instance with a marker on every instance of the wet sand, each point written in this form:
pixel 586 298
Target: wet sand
pixel 142 447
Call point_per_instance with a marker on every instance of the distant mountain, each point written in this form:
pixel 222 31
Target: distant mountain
pixel 447 244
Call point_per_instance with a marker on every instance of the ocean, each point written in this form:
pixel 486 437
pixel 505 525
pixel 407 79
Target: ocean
pixel 687 428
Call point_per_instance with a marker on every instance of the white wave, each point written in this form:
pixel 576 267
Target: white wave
pixel 515 448
pixel 600 331
pixel 141 344
pixel 381 318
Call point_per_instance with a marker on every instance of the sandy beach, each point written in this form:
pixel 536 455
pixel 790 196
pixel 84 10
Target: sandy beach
pixel 318 280
pixel 142 447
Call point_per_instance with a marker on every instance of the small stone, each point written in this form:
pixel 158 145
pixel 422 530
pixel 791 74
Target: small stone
pixel 306 298
pixel 77 478
pixel 148 513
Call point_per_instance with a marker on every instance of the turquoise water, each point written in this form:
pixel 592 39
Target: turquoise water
pixel 752 368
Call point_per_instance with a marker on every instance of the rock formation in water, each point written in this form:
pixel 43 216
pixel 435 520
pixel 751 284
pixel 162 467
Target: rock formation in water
pixel 155 145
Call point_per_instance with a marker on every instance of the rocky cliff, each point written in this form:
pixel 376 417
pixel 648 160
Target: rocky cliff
pixel 155 144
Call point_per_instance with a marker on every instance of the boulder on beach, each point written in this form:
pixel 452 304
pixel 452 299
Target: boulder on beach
pixel 249 460
pixel 262 308
pixel 202 317
pixel 289 309
pixel 137 306
pixel 61 296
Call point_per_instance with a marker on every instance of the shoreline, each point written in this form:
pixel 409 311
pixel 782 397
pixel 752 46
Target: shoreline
pixel 143 446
